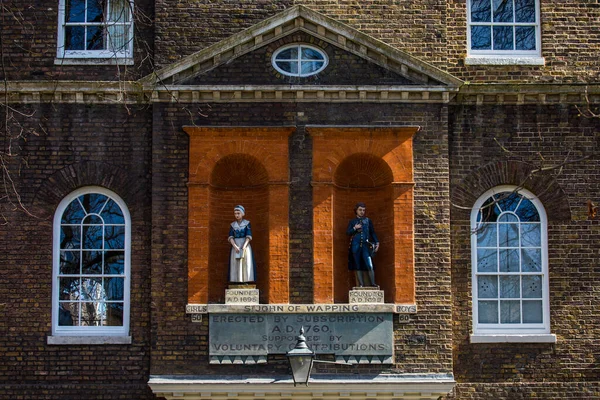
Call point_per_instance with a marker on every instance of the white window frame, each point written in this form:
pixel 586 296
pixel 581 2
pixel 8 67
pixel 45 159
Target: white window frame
pixel 299 60
pixel 505 57
pixel 78 334
pixel 489 333
pixel 105 56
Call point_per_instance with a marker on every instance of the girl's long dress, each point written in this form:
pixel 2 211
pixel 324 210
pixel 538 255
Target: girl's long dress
pixel 242 267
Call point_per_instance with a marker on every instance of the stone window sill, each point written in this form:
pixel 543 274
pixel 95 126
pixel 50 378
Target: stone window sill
pixel 93 61
pixel 515 338
pixel 74 340
pixel 514 60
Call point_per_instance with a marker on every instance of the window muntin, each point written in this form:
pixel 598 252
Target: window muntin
pixel 299 60
pixel 509 258
pixel 91 264
pixel 503 27
pixel 95 28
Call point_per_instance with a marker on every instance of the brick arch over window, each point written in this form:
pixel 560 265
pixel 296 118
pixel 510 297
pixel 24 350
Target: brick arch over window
pixel 373 165
pixel 517 173
pixel 87 173
pixel 230 166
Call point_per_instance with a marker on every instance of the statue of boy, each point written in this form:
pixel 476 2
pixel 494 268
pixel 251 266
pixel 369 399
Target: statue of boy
pixel 363 245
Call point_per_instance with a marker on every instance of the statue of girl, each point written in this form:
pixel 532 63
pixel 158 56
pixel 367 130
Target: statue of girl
pixel 242 267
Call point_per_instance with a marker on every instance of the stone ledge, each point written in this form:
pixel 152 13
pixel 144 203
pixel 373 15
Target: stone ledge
pixel 300 308
pixel 94 340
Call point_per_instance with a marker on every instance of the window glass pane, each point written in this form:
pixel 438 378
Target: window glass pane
pixel 92 237
pixel 75 11
pixel 114 237
pixel 503 11
pixel 531 260
pixel 509 260
pixel 112 213
pixel 288 66
pixel 119 11
pixel 95 39
pixel 532 286
pixel 67 313
pixel 532 312
pixel 91 289
pixel 288 54
pixel 487 287
pixel 525 10
pixel 510 287
pixel 93 220
pixel 114 314
pixel 91 314
pixel 69 288
pixel 93 202
pixel 489 210
pixel 73 214
pixel 310 54
pixel 531 235
pixel 114 288
pixel 525 37
pixel 69 263
pixel 488 312
pixel 481 38
pixel 118 37
pixel 508 235
pixel 74 38
pixel 70 237
pixel 94 11
pixel 311 66
pixel 92 262
pixel 508 217
pixel 510 312
pixel 527 211
pixel 481 11
pixel 486 235
pixel 503 37
pixel 487 260
pixel 508 201
pixel 114 263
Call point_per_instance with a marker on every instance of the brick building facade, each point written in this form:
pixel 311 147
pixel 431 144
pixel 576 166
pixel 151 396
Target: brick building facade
pixel 123 159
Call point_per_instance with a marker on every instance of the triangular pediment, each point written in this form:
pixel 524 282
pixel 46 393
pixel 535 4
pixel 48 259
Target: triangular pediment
pixel 299 19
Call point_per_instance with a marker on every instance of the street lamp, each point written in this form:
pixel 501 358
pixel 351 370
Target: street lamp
pixel 301 360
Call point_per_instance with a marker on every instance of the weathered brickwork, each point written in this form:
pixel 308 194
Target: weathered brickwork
pixel 75 146
pixel 29 41
pixel 559 139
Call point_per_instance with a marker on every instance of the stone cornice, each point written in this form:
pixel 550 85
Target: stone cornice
pixel 128 92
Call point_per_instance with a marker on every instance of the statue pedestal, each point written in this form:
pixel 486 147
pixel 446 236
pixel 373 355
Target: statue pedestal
pixel 241 294
pixel 366 295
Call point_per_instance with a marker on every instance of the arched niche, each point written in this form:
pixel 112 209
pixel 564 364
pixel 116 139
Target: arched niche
pixel 237 179
pixel 230 166
pixel 373 165
pixel 366 178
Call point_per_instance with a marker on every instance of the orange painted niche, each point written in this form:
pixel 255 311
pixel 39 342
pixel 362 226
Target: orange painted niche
pixel 373 165
pixel 230 166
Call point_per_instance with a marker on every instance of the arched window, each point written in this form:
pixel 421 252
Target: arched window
pixel 510 266
pixel 91 271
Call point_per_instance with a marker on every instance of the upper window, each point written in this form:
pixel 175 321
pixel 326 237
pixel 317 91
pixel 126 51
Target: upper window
pixel 299 60
pixel 91 265
pixel 510 267
pixel 95 29
pixel 504 27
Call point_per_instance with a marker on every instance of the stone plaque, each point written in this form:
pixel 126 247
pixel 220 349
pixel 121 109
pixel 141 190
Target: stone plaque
pixel 241 296
pixel 363 337
pixel 366 296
